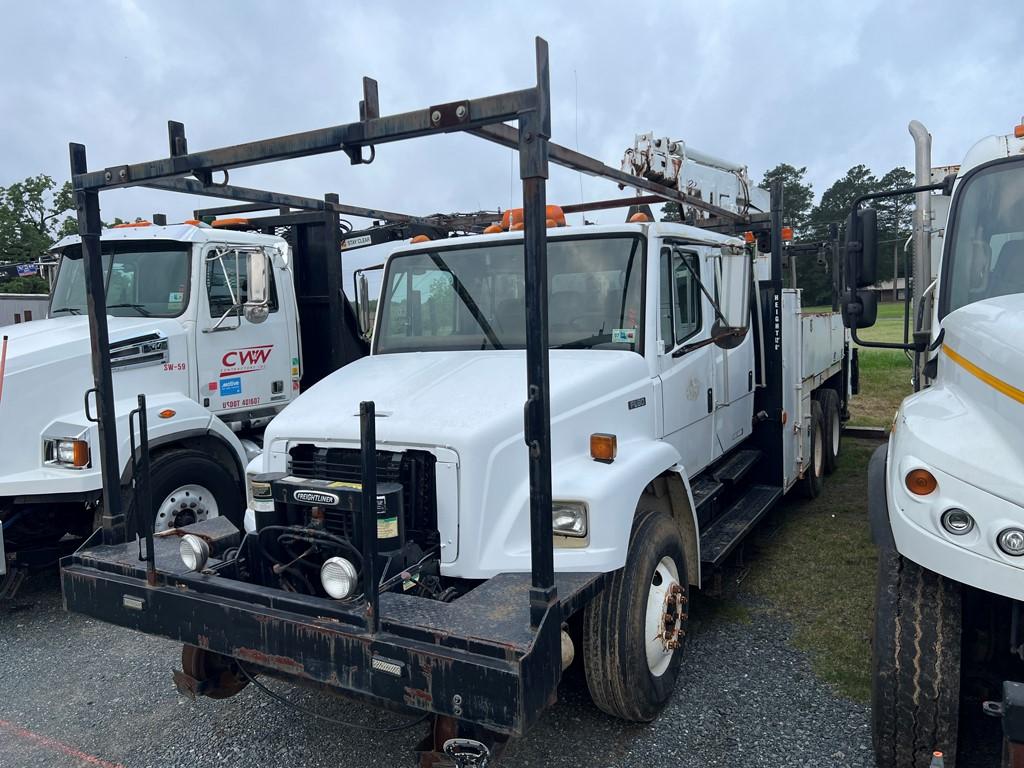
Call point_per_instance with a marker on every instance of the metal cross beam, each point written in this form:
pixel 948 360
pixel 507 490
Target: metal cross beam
pixel 275 199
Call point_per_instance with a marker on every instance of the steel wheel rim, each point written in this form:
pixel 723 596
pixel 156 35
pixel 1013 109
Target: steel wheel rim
pixel 659 655
pixel 191 503
pixel 836 428
pixel 819 459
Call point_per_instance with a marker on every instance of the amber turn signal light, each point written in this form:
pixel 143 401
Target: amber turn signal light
pixel 603 447
pixel 921 482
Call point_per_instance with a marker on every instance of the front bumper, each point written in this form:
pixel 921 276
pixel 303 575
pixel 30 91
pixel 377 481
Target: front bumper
pixel 475 659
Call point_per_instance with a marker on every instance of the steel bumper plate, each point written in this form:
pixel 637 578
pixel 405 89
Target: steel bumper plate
pixel 476 659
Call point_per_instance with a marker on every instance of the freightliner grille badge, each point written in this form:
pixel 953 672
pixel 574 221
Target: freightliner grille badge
pixel 315 497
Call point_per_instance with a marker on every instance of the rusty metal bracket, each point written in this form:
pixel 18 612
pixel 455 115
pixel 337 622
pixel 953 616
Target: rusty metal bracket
pixel 450 115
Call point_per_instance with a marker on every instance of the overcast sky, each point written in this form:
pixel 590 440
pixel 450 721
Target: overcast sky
pixel 821 84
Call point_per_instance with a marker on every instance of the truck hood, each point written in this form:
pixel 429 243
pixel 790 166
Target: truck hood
pixel 970 423
pixel 48 370
pixel 459 400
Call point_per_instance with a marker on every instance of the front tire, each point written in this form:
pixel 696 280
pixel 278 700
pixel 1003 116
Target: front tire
pixel 634 632
pixel 188 486
pixel 915 687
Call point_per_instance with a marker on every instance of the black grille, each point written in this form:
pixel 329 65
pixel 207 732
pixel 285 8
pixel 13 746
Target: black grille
pixel 414 470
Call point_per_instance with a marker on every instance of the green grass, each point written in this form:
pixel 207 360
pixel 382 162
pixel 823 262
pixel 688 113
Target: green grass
pixel 817 569
pixel 884 373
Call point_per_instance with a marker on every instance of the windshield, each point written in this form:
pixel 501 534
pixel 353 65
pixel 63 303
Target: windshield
pixel 473 297
pixel 142 280
pixel 987 254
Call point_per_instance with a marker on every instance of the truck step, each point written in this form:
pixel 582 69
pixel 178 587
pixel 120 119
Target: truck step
pixel 721 538
pixel 705 491
pixel 736 466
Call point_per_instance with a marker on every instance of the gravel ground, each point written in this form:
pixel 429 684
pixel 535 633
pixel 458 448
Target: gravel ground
pixel 75 692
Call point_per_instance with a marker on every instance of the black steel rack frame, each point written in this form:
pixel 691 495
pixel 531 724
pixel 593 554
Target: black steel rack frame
pixel 454 664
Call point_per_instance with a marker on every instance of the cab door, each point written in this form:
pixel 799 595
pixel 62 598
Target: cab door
pixel 242 366
pixel 685 364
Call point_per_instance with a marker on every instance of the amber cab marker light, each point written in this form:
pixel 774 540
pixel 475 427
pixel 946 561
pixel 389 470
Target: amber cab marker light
pixel 921 482
pixel 493 229
pixel 603 447
pixel 228 223
pixel 167 413
pixel 787 234
pixel 1018 130
pixel 420 239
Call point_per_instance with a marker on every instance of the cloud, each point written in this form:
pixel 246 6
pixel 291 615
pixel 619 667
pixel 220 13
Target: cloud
pixel 825 85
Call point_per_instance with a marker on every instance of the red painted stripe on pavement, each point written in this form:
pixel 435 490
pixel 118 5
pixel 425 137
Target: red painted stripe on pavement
pixel 46 741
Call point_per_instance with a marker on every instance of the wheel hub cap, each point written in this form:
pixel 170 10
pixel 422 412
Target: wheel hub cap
pixel 666 616
pixel 185 505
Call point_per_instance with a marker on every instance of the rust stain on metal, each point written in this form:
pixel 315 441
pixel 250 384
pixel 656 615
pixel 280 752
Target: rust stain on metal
pixel 267 660
pixel 414 697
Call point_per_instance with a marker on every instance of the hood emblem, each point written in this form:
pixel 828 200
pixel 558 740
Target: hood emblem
pixel 316 497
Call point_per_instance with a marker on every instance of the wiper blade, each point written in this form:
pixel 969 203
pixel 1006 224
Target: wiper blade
pixel 139 307
pixel 72 310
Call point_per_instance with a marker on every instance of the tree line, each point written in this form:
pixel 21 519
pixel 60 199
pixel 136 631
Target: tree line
pixel 36 212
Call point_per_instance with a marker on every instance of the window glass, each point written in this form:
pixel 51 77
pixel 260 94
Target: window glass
pixel 987 256
pixel 686 297
pixel 142 280
pixel 474 297
pixel 226 281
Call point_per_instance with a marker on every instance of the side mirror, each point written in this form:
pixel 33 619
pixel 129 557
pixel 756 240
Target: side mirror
pixel 257 303
pixel 363 299
pixel 734 288
pixel 860 309
pixel 861 248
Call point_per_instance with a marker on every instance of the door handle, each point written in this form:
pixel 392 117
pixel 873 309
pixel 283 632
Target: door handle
pixel 711 400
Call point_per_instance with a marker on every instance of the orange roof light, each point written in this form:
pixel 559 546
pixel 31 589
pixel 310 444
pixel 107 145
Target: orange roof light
pixel 921 482
pixel 193 222
pixel 512 220
pixel 229 223
pixel 1018 130
pixel 126 224
pixel 748 237
pixel 420 239
pixel 603 447
pixel 639 218
pixel 787 234
pixel 493 229
pixel 555 214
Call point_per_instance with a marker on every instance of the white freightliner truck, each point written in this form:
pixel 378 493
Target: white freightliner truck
pixel 213 372
pixel 947 491
pixel 419 539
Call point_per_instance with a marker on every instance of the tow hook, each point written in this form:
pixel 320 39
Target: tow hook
pixel 467 753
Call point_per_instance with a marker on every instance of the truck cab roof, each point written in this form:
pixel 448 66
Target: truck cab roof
pixel 186 233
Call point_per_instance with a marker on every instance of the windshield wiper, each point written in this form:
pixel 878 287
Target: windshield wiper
pixel 72 310
pixel 145 312
pixel 467 299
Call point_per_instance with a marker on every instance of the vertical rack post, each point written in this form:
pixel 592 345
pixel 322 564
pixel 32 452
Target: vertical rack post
pixel 87 204
pixel 368 511
pixel 534 131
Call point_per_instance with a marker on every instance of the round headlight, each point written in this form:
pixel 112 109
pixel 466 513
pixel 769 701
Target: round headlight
pixel 1011 541
pixel 339 577
pixel 957 522
pixel 194 552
